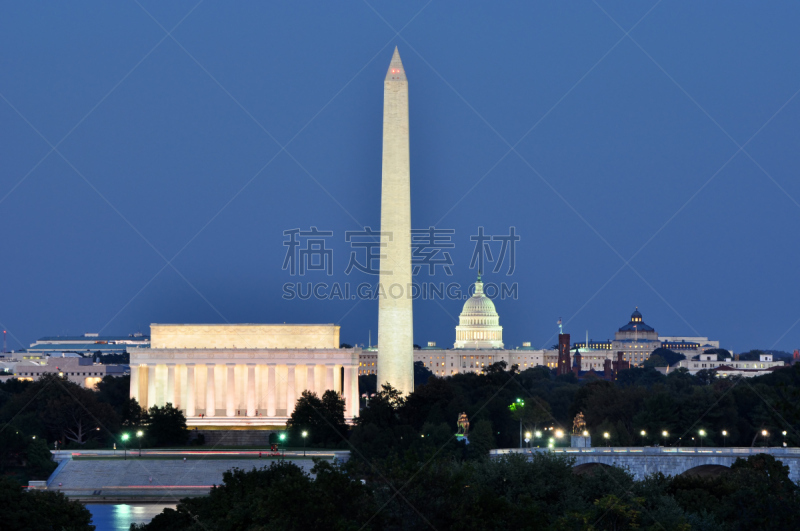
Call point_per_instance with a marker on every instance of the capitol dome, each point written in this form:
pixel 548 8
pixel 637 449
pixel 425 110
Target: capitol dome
pixel 479 325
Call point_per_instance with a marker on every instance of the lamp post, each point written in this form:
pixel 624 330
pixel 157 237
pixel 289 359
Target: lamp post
pixel 282 438
pixel 701 433
pixel 606 436
pixel 528 438
pixel 559 435
pixel 125 444
pixel 724 438
pixel 765 434
pixel 537 435
pixel 139 435
pixel 784 437
pixel 305 433
pixel 643 434
pixel 518 404
pixel 664 435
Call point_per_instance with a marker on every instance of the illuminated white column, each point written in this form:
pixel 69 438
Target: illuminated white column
pixel 348 391
pixel 135 382
pixel 311 377
pixel 171 384
pixel 151 386
pixel 329 377
pixel 290 384
pixel 355 405
pixel 211 402
pixel 190 399
pixel 251 389
pixel 230 391
pixel 271 388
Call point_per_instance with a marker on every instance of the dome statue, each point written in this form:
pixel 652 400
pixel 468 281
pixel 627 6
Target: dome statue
pixel 479 325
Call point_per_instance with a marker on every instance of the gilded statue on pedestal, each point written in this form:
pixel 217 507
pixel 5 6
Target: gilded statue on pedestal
pixel 463 424
pixel 578 424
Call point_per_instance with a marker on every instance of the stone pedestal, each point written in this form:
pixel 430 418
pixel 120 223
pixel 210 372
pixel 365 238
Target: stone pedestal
pixel 580 441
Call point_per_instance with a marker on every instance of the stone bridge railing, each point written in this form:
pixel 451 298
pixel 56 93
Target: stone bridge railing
pixel 643 461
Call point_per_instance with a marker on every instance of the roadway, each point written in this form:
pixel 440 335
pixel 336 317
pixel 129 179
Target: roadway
pixel 342 455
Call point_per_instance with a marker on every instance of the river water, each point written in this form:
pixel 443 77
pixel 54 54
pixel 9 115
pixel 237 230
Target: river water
pixel 119 517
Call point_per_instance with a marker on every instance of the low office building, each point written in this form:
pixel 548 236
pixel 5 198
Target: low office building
pixel 729 366
pixel 74 368
pixel 689 346
pixel 87 344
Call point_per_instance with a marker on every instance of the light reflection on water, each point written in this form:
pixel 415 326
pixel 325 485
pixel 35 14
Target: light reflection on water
pixel 119 517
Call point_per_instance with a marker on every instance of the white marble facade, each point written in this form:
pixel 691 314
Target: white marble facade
pixel 241 386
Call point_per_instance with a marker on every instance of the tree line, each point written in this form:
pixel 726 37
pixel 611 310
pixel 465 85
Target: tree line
pixel 53 412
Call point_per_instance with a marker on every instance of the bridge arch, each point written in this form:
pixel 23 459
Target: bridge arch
pixel 706 471
pixel 588 469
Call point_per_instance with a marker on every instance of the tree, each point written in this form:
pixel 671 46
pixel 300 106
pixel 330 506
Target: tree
pixel 535 411
pixel 609 512
pixel 755 494
pixel 40 510
pixel 57 409
pixel 706 376
pixel 75 414
pixel 114 391
pixel 655 361
pixel 345 345
pixel 24 455
pixel 323 419
pixel 367 384
pixel 166 426
pixel 380 431
pixel 752 355
pixel 481 439
pixel 668 355
pixel 281 496
pixel 421 373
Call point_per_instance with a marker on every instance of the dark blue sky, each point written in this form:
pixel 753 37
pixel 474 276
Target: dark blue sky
pixel 622 147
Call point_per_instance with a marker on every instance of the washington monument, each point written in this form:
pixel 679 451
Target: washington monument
pixel 395 317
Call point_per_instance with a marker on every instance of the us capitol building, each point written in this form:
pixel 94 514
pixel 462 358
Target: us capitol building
pixel 479 343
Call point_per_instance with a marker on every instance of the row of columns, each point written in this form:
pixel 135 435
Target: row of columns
pixel 349 387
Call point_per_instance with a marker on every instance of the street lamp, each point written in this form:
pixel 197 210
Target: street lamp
pixel 664 435
pixel 139 435
pixel 724 438
pixel 518 403
pixel 559 435
pixel 282 449
pixel 528 438
pixel 537 434
pixel 606 436
pixel 305 433
pixel 765 434
pixel 784 437
pixel 701 433
pixel 125 445
pixel 643 434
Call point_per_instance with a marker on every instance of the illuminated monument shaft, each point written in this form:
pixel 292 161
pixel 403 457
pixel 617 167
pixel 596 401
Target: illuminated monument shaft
pixel 395 317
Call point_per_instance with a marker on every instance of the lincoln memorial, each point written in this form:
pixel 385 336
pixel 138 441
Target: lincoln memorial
pixel 242 374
